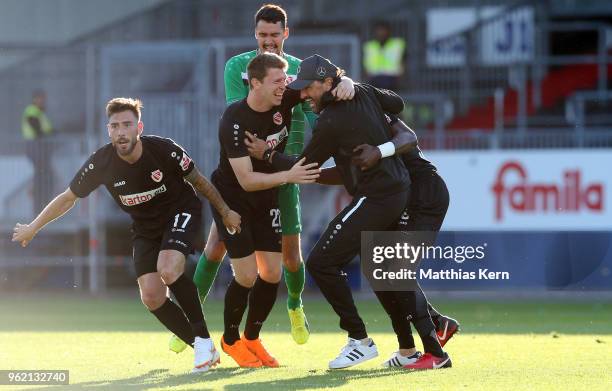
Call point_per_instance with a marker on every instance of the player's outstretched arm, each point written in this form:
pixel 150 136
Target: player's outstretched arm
pixel 404 140
pixel 389 100
pixel 24 233
pixel 317 151
pixel 250 180
pixel 203 186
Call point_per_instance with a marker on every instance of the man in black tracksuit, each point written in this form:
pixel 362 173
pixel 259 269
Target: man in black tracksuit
pixel 425 212
pixel 380 193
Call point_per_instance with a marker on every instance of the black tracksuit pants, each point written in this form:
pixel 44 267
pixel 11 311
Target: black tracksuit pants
pixel 425 211
pixel 341 242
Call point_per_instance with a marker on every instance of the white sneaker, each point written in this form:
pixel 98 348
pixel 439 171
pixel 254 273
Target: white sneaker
pixel 397 360
pixel 355 352
pixel 205 355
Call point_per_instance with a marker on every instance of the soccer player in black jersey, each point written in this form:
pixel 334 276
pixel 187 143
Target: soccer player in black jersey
pixel 153 180
pixel 380 194
pixel 251 188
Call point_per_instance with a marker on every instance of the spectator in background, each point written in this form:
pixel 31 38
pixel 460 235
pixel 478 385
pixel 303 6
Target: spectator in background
pixel 35 127
pixel 383 58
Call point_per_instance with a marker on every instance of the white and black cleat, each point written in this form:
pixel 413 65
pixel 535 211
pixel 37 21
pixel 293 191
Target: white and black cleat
pixel 355 352
pixel 398 361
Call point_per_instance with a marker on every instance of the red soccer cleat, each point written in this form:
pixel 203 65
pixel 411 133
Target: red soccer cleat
pixel 429 361
pixel 447 327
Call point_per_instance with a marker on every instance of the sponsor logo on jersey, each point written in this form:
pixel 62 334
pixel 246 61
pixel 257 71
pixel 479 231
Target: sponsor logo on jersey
pixel 140 198
pixel 568 196
pixel 120 183
pixel 277 118
pixel 275 139
pixel 185 161
pixel 157 175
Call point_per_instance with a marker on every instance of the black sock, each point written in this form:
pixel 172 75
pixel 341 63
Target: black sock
pixel 171 316
pixel 261 301
pixel 236 298
pixel 186 293
pixel 425 327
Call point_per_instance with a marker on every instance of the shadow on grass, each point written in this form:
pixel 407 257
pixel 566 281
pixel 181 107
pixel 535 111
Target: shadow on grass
pixel 161 378
pixel 317 379
pixel 155 378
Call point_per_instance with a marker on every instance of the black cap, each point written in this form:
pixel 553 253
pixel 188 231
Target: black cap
pixel 313 68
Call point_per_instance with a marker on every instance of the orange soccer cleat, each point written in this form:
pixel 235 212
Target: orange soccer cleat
pixel 255 346
pixel 239 352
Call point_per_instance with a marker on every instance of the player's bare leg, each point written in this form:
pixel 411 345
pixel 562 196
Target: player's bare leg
pixel 294 278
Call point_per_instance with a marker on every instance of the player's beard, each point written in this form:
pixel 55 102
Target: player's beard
pixel 125 149
pixel 315 105
pixel 321 102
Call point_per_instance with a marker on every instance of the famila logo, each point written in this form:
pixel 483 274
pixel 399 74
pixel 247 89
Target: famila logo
pixel 569 195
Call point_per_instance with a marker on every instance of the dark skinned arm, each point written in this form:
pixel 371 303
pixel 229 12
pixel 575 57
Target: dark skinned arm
pixel 404 140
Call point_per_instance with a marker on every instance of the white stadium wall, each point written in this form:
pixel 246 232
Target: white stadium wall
pixel 524 190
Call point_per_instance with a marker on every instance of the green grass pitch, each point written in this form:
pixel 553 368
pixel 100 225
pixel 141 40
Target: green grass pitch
pixel 115 344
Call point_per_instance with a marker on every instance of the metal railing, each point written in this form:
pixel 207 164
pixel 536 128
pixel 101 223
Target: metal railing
pixel 466 67
pixel 575 110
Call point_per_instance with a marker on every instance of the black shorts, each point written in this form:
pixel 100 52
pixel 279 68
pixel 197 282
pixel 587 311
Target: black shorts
pixel 427 204
pixel 260 221
pixel 179 234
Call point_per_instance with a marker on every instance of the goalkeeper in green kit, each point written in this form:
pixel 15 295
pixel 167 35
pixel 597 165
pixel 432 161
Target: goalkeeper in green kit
pixel 270 31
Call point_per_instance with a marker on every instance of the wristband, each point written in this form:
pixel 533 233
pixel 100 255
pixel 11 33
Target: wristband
pixel 387 149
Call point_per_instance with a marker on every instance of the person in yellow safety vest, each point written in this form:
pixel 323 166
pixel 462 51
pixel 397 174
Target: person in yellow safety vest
pixel 383 58
pixel 35 129
pixel 34 122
